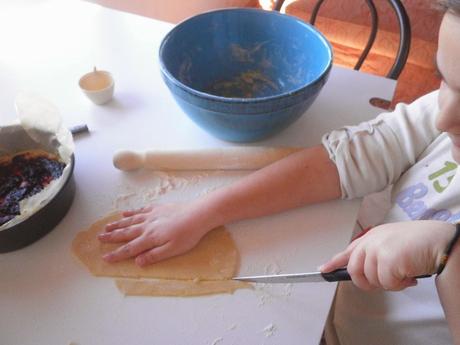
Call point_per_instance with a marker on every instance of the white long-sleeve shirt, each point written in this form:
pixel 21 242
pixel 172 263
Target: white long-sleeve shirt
pixel 403 149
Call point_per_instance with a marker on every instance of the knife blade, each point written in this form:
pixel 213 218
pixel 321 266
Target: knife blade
pixel 340 274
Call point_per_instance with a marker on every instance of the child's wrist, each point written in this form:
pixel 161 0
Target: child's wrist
pixel 448 248
pixel 206 214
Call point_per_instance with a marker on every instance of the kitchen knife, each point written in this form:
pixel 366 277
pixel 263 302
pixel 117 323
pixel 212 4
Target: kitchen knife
pixel 340 274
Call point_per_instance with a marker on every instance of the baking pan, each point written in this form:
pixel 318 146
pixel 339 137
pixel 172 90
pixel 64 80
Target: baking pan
pixel 43 220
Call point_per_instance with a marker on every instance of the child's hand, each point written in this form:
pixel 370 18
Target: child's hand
pixel 390 255
pixel 155 233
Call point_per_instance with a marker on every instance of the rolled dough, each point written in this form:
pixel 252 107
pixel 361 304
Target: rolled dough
pixel 206 269
pixel 178 288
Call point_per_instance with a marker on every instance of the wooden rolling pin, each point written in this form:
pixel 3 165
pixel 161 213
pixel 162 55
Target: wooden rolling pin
pixel 231 158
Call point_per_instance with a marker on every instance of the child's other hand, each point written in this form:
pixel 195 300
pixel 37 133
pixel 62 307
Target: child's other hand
pixel 390 255
pixel 155 233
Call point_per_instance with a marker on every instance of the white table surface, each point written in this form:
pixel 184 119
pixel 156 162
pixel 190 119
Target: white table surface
pixel 47 297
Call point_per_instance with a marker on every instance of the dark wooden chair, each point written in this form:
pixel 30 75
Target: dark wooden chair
pixel 404 33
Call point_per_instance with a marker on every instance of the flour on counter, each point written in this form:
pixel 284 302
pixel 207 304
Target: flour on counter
pixel 122 199
pixel 154 186
pixel 264 293
pixel 169 182
pixel 269 292
pixel 143 188
pixel 287 290
pixel 208 190
pixel 232 327
pixel 269 330
pixel 272 268
pixel 217 341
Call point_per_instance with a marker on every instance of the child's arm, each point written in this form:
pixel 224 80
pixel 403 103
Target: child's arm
pixel 161 231
pixel 369 156
pixel 448 284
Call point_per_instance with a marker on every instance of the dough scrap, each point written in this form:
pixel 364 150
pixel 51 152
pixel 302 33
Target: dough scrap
pixel 178 288
pixel 206 269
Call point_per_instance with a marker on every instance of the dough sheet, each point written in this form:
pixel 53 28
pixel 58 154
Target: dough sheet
pixel 206 269
pixel 178 288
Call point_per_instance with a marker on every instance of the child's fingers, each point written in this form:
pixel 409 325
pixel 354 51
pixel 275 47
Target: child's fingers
pixel 355 268
pixel 130 213
pixel 408 282
pixel 121 235
pixel 131 249
pixel 370 270
pixel 339 260
pixel 389 281
pixel 154 255
pixel 125 222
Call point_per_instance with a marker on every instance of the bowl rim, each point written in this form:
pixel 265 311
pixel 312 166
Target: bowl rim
pixel 240 100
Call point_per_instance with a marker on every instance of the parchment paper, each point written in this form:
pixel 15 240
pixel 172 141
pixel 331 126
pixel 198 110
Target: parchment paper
pixel 39 128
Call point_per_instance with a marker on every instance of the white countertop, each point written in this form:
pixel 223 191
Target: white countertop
pixel 47 297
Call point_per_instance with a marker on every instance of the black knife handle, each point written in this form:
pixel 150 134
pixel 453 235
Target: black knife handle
pixel 342 274
pixel 337 275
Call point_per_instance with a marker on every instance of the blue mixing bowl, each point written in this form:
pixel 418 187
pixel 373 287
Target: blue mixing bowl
pixel 244 74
